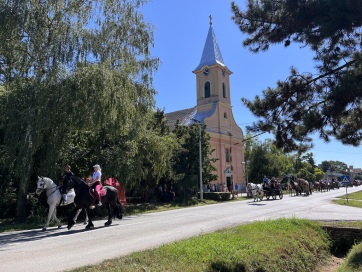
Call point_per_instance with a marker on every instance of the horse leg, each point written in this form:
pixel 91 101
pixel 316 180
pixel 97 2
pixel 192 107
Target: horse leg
pixel 109 222
pixel 90 223
pixel 86 217
pixel 50 214
pixel 56 218
pixel 71 221
pixel 76 215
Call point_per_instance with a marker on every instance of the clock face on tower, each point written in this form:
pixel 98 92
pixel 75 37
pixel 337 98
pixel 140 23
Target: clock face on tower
pixel 206 71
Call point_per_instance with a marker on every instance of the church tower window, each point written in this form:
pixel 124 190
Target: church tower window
pixel 207 89
pixel 223 90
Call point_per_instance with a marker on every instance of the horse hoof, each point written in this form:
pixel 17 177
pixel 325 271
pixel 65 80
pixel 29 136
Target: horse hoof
pixel 43 229
pixel 69 227
pixel 89 226
pixel 59 226
pixel 107 223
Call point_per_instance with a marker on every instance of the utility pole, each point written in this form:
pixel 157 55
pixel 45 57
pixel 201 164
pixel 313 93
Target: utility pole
pixel 200 159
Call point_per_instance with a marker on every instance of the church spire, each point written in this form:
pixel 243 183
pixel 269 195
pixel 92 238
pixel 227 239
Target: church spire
pixel 211 54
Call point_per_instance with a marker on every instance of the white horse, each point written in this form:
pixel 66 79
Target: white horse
pixel 256 191
pixel 54 198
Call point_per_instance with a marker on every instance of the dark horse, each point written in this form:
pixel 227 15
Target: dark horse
pixel 84 199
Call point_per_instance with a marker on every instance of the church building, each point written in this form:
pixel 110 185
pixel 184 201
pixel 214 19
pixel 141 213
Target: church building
pixel 215 111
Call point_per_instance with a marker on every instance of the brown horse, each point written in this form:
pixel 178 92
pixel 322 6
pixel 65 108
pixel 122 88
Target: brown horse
pixel 293 186
pixel 304 184
pixel 324 185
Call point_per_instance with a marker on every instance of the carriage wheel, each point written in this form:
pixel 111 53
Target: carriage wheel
pixel 281 195
pixel 274 196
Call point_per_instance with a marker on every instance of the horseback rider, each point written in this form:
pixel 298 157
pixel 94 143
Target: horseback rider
pixel 265 182
pixel 67 174
pixel 95 183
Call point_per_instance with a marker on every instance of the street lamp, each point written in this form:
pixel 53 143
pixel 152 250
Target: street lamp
pixel 246 176
pixel 246 172
pixel 200 158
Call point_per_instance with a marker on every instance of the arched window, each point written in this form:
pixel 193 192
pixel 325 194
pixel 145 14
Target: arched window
pixel 223 90
pixel 207 89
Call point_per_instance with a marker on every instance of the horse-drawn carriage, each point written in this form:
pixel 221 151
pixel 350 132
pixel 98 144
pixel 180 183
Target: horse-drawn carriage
pixel 271 189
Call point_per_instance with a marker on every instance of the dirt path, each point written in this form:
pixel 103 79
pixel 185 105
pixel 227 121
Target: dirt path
pixel 333 265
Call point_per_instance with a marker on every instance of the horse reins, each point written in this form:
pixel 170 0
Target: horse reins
pixel 56 187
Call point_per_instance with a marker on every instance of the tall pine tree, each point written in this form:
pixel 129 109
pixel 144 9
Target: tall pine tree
pixel 328 103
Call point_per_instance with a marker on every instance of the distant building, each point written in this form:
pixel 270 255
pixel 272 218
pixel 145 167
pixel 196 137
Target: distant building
pixel 214 109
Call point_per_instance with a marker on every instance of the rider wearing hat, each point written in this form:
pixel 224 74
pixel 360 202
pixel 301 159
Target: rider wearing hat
pixel 95 182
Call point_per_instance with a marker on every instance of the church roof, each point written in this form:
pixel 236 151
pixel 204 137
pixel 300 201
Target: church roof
pixel 187 117
pixel 211 54
pixel 184 117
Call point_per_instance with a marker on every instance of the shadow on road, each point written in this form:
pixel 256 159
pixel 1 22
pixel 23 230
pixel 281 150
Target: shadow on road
pixel 256 204
pixel 7 239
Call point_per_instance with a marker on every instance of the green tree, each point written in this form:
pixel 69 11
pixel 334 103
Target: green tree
pixel 327 103
pixel 259 165
pixel 70 66
pixel 187 161
pixel 334 166
pixel 318 173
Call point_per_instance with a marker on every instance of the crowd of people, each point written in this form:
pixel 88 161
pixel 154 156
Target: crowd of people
pixel 165 192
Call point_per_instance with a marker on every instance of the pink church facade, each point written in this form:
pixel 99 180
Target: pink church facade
pixel 214 109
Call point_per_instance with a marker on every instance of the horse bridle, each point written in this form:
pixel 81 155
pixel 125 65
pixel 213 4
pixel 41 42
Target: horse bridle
pixel 42 189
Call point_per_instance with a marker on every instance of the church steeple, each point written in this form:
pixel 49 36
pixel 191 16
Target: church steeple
pixel 211 54
pixel 212 75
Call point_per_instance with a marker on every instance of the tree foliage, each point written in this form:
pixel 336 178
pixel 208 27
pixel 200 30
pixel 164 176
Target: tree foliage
pixel 187 161
pixel 327 103
pixel 334 166
pixel 71 68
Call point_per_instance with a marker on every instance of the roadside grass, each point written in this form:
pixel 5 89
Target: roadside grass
pixel 342 224
pixel 355 195
pixel 354 200
pixel 353 262
pixel 272 245
pixel 32 223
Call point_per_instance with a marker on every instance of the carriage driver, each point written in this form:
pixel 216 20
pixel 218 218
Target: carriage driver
pixel 67 173
pixel 95 182
pixel 265 182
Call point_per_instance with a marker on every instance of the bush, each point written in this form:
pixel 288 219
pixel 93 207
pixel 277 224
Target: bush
pixel 217 196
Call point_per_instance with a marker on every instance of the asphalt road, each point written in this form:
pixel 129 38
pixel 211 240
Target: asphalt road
pixel 60 249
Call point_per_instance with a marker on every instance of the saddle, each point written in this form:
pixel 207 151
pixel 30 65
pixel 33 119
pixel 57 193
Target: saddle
pixel 102 192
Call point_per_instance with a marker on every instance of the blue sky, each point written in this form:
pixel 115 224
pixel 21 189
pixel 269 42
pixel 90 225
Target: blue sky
pixel 180 32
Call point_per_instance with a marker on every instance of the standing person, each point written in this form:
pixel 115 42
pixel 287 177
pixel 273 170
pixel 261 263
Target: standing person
pixel 67 174
pixel 96 184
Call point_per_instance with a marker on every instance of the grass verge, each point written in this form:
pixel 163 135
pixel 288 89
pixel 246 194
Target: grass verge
pixel 353 200
pixel 353 262
pixel 273 245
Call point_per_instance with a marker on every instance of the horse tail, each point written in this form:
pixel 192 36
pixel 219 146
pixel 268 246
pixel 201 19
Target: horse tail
pixel 119 209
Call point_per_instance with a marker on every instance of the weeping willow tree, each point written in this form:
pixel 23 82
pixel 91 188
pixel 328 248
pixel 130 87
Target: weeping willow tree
pixel 68 67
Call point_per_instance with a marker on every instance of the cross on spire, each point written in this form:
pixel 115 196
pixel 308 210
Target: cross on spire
pixel 210 20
